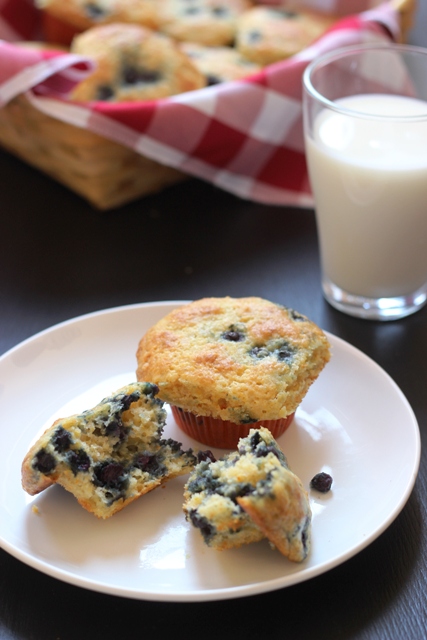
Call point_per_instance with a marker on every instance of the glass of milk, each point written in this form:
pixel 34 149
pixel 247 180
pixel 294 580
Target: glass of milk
pixel 365 127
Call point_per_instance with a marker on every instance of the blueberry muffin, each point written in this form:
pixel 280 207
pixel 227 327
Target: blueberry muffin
pixel 110 455
pixel 224 364
pixel 249 495
pixel 219 64
pixel 208 22
pixel 133 63
pixel 83 14
pixel 266 35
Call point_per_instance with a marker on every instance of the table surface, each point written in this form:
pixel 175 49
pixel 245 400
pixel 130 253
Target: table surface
pixel 59 259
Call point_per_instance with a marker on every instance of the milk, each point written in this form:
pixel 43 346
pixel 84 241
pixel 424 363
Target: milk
pixel 369 178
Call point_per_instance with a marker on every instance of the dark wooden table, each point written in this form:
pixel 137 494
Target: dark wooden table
pixel 59 258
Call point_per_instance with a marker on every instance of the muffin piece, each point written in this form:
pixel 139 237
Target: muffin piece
pixel 110 455
pixel 84 14
pixel 133 63
pixel 249 495
pixel 219 64
pixel 208 22
pixel 266 35
pixel 238 360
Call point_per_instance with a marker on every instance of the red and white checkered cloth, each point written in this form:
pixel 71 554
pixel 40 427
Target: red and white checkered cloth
pixel 244 137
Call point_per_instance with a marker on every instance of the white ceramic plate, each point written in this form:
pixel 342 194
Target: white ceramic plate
pixel 354 423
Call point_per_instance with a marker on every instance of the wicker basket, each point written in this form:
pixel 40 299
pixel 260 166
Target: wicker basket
pixel 407 10
pixel 104 172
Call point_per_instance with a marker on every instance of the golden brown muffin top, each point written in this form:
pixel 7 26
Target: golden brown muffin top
pixel 268 34
pixel 238 359
pixel 132 63
pixel 84 14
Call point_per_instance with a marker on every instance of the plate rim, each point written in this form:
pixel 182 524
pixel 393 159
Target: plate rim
pixel 215 594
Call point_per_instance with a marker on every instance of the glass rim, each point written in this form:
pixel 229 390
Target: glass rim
pixel 346 51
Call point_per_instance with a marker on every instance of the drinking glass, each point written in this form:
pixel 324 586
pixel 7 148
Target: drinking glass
pixel 365 129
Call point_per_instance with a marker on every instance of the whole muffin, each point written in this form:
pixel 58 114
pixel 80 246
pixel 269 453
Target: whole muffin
pixel 219 64
pixel 84 14
pixel 269 34
pixel 226 364
pixel 208 22
pixel 133 63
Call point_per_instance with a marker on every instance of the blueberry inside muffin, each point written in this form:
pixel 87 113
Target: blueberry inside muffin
pixel 248 495
pixel 109 455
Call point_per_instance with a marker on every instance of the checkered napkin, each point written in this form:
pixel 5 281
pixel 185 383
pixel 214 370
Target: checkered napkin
pixel 244 137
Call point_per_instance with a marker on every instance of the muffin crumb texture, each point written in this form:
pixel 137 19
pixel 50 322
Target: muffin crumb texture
pixel 238 359
pixel 248 495
pixel 109 455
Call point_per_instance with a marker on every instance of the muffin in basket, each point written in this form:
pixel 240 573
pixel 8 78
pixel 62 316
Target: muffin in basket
pixel 208 22
pixel 268 34
pixel 226 365
pixel 133 63
pixel 64 18
pixel 219 64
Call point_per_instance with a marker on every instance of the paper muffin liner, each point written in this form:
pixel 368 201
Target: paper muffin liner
pixel 223 434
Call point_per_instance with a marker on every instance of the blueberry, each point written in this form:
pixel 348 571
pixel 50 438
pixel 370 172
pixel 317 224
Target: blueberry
pixel 132 75
pixel 255 440
pixel 200 522
pixel 254 36
pixel 212 80
pixel 115 428
pixel 44 461
pixel 204 480
pixel 240 490
pixel 305 536
pixel 287 14
pixel 104 92
pixel 127 400
pixel 61 439
pixel 174 446
pixel 261 449
pixel 295 315
pixel 94 11
pixel 151 389
pixel 321 482
pixel 285 352
pixel 206 455
pixel 259 352
pixel 110 475
pixel 219 12
pixel 233 334
pixel 78 461
pixel 149 462
pixel 264 449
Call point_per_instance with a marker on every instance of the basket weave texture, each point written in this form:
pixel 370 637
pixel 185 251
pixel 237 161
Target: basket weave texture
pixel 102 171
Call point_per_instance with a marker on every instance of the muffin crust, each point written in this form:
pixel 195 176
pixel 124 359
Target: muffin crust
pixel 238 359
